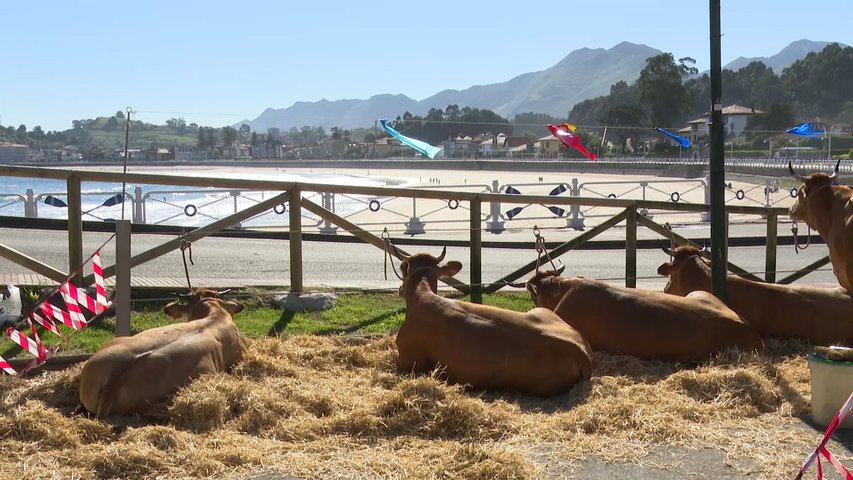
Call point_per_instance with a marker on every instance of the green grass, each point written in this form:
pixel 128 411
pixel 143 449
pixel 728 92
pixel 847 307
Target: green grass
pixel 354 313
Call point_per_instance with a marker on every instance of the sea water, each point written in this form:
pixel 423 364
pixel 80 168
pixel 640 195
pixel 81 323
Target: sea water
pixel 176 205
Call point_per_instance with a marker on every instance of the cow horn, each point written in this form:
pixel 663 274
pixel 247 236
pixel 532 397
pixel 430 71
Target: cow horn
pixel 703 249
pixel 668 251
pixel 441 257
pixel 794 174
pixel 223 292
pixel 561 268
pixel 835 171
pixel 515 284
pixel 399 253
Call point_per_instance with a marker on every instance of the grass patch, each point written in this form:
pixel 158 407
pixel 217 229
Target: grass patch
pixel 354 313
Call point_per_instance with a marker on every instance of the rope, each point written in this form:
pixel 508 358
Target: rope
pixel 541 249
pixel 386 238
pixel 797 246
pixel 187 245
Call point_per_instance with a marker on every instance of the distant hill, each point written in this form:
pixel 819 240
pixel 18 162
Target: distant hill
pixel 782 60
pixel 582 74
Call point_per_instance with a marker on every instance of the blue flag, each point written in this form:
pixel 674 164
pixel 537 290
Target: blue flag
pixel 805 130
pixel 423 147
pixel 684 142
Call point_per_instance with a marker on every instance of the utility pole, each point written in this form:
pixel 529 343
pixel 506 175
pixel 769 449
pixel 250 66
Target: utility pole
pixel 717 163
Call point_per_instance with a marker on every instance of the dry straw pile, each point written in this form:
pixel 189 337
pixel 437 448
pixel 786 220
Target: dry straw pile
pixel 335 407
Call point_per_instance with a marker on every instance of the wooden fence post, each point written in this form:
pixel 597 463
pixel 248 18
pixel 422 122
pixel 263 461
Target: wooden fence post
pixel 295 229
pixel 75 228
pixel 122 285
pixel 631 248
pixel 476 252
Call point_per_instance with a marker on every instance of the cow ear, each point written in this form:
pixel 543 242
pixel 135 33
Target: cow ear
pixel 232 307
pixel 450 269
pixel 533 289
pixel 404 267
pixel 665 269
pixel 176 310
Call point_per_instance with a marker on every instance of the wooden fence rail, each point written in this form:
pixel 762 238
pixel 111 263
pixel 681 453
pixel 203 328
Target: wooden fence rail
pixel 292 193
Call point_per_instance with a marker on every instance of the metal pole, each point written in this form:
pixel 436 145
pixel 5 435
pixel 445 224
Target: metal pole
pixel 631 249
pixel 476 252
pixel 770 252
pixel 717 164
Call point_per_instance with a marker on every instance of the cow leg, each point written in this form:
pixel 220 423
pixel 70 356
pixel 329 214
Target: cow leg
pixel 414 362
pixel 106 400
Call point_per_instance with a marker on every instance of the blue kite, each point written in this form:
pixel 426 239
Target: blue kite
pixel 805 130
pixel 423 147
pixel 683 141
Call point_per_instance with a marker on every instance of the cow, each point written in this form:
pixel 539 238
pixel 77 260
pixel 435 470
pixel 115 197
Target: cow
pixel 642 323
pixel 129 374
pixel 828 208
pixel 823 316
pixel 533 353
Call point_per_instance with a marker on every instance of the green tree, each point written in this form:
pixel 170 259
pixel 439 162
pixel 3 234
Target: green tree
pixel 660 88
pixel 618 118
pixel 821 82
pixel 245 131
pixel 111 125
pixel 229 135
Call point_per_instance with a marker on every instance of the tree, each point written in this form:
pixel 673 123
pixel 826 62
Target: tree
pixel 245 130
pixel 624 116
pixel 112 124
pixel 821 82
pixel 660 88
pixel 777 118
pixel 229 135
pixel 37 134
pixel 119 115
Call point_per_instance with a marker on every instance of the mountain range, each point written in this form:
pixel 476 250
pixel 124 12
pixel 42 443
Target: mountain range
pixel 584 73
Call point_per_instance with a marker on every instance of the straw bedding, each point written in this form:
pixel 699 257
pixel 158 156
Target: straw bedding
pixel 335 407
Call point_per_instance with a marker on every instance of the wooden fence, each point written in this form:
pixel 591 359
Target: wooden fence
pixel 292 193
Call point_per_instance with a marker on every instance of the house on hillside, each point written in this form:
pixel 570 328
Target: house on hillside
pixel 458 146
pixel 547 146
pixel 12 153
pixel 734 119
pixel 384 147
pixel 159 154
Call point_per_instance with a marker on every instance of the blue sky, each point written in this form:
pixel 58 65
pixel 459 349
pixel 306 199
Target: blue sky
pixel 216 63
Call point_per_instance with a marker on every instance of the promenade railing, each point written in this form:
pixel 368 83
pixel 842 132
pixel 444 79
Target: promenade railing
pixel 491 208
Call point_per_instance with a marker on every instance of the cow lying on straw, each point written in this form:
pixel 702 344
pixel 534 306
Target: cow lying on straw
pixel 642 323
pixel 533 353
pixel 823 316
pixel 129 374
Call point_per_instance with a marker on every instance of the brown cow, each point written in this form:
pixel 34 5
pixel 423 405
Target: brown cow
pixel 823 316
pixel 828 209
pixel 643 323
pixel 533 353
pixel 129 374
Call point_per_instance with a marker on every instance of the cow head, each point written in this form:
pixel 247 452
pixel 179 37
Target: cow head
pixel 681 282
pixel 424 266
pixel 809 206
pixel 539 287
pixel 200 304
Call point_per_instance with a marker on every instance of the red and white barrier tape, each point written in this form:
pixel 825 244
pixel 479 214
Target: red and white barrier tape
pixel 821 449
pixel 72 315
